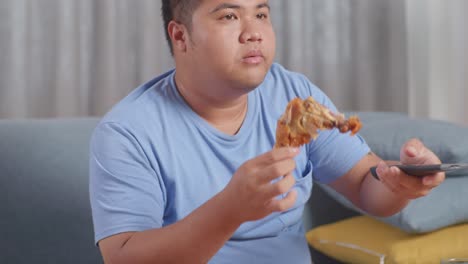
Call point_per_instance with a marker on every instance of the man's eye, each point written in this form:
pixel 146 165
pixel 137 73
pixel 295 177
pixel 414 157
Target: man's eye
pixel 262 16
pixel 230 17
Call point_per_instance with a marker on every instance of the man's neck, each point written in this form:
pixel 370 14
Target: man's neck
pixel 224 113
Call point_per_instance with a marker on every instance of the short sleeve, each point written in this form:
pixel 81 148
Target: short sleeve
pixel 333 153
pixel 126 193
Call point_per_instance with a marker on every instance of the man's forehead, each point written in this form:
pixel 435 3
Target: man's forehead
pixel 222 4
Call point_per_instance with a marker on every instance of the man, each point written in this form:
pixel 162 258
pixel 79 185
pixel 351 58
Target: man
pixel 183 171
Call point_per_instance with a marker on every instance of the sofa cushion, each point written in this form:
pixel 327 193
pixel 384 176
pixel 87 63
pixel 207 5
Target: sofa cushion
pixel 443 206
pixel 44 172
pixel 364 240
pixel 385 133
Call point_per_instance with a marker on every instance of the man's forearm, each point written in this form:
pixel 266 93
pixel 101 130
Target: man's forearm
pixel 194 239
pixel 378 200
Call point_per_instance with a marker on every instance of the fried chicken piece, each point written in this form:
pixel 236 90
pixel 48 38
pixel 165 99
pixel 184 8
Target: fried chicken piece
pixel 303 118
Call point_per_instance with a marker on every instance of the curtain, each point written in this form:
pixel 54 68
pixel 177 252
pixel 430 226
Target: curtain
pixel 438 59
pixel 354 50
pixel 66 58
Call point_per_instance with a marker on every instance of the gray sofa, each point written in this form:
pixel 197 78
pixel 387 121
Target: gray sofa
pixel 44 178
pixel 44 174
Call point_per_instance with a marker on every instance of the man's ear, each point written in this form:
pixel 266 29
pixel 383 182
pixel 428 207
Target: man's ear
pixel 179 36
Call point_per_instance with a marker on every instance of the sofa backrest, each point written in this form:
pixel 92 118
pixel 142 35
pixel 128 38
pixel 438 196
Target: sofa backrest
pixel 44 174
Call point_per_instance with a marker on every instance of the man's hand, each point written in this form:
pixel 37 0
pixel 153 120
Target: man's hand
pixel 250 195
pixel 415 153
pixel 256 185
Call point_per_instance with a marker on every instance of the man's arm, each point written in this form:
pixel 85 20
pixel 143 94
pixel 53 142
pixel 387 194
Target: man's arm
pixel 250 195
pixel 395 188
pixel 192 240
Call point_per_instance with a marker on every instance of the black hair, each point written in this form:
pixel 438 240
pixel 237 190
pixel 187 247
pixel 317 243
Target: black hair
pixel 180 11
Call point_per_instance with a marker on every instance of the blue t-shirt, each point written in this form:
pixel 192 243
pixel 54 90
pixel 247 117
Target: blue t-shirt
pixel 154 160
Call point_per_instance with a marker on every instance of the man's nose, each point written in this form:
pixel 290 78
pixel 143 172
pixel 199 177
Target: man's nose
pixel 250 34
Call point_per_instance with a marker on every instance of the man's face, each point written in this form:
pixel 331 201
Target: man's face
pixel 232 41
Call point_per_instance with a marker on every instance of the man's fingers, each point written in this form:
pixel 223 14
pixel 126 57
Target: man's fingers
pixel 434 180
pixel 276 155
pixel 386 175
pixel 278 169
pixel 281 205
pixel 397 180
pixel 412 147
pixel 405 180
pixel 280 187
pixel 414 152
pixel 273 164
pixel 412 187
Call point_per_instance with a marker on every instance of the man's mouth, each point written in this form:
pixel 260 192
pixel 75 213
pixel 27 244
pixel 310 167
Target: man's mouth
pixel 253 57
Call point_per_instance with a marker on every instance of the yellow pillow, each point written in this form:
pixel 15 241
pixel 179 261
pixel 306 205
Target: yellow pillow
pixel 362 240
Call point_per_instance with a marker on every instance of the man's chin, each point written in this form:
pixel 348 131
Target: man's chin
pixel 254 77
pixel 251 82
